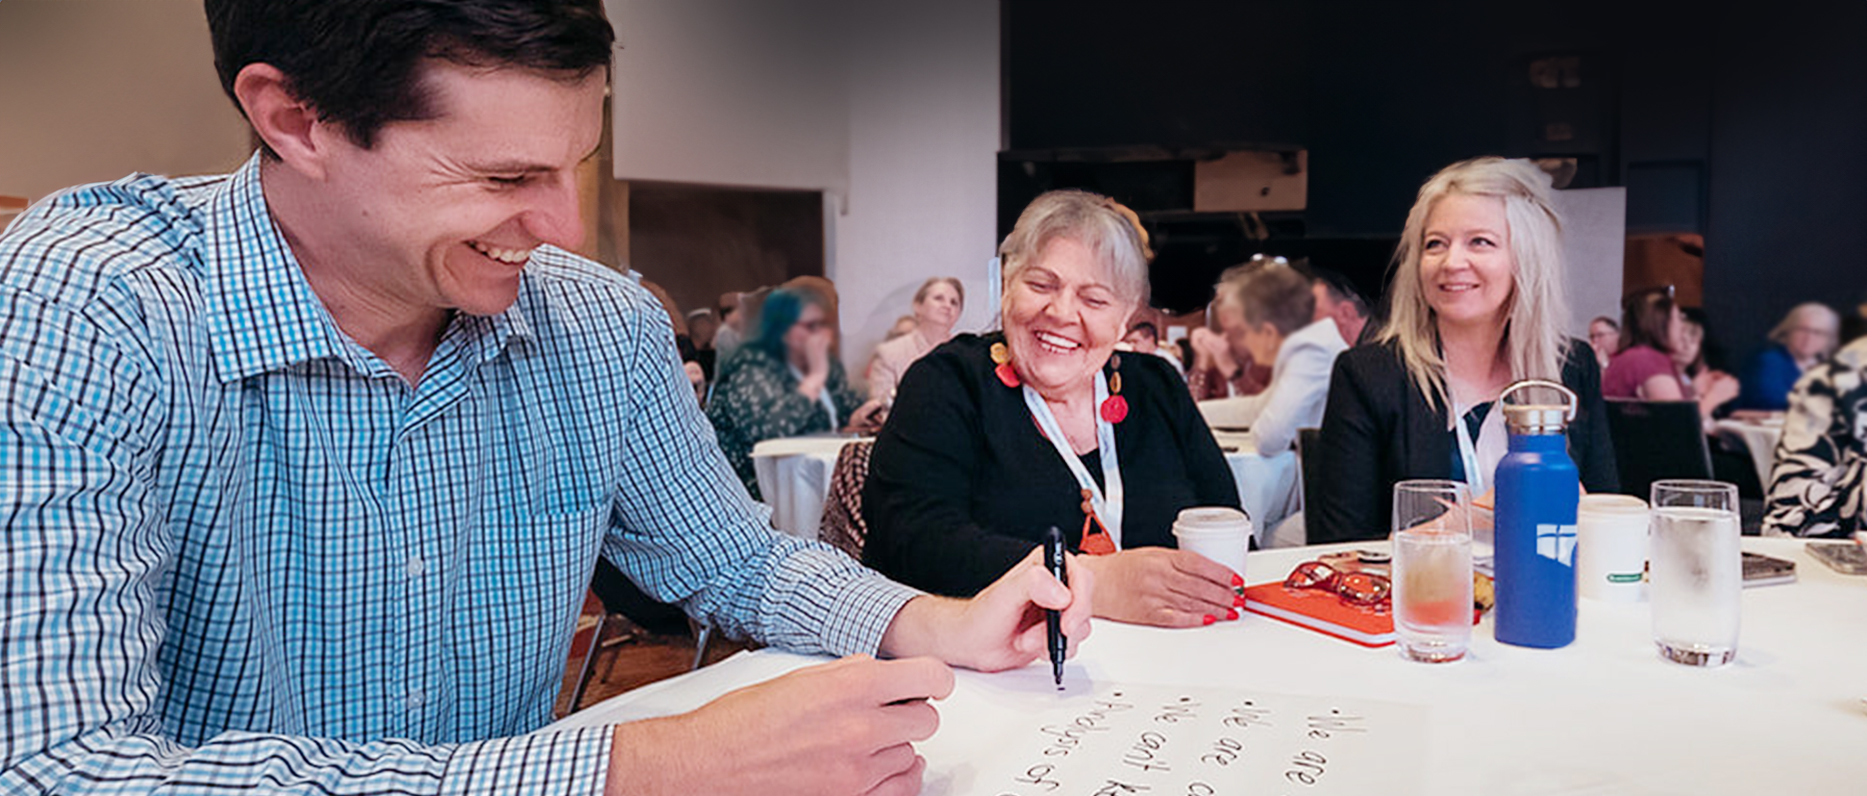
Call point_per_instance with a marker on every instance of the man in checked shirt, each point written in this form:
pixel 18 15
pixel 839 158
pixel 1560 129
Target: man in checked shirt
pixel 305 466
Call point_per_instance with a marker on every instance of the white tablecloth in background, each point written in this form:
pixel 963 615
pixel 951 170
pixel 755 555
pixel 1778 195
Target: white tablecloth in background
pixel 794 477
pixel 1759 438
pixel 1604 715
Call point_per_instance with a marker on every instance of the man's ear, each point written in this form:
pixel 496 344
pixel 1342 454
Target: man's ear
pixel 287 124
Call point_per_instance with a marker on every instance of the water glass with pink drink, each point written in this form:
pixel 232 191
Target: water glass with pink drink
pixel 1432 570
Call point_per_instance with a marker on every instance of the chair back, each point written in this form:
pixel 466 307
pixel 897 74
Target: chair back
pixel 1307 439
pixel 843 526
pixel 1656 440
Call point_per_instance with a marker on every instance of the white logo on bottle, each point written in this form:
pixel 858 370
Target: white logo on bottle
pixel 1557 543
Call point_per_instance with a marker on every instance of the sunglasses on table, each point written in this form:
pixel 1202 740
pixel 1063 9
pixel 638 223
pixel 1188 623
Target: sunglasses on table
pixel 1356 588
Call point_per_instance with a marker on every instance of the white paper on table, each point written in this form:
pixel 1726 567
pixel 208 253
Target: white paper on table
pixel 1013 734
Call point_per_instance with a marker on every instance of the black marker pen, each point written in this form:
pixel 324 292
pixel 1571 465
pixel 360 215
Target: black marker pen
pixel 1053 558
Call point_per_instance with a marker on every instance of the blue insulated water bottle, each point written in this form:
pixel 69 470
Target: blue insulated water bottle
pixel 1537 492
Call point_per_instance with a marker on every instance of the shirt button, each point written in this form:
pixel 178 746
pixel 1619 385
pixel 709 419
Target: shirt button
pixel 416 698
pixel 416 566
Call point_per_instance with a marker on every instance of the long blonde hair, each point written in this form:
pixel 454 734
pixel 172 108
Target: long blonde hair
pixel 1537 307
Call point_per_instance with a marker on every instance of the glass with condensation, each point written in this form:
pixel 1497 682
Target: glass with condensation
pixel 1432 570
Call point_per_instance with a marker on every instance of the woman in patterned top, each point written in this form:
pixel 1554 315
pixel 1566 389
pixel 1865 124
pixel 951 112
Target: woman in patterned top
pixel 785 382
pixel 1816 487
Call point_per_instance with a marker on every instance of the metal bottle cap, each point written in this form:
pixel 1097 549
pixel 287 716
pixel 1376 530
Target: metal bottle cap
pixel 1538 418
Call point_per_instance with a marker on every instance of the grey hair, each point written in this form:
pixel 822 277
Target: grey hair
pixel 1829 319
pixel 1275 294
pixel 1536 311
pixel 1106 227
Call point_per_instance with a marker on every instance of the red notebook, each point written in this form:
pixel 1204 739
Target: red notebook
pixel 1323 612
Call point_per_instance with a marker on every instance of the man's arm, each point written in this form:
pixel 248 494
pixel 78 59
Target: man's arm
pixel 82 545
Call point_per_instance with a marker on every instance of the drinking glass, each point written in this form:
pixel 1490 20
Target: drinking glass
pixel 1696 572
pixel 1432 570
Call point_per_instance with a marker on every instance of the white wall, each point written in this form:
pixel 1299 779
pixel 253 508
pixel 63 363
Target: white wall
pixel 730 92
pixel 93 90
pixel 923 177
pixel 891 108
pixel 1594 242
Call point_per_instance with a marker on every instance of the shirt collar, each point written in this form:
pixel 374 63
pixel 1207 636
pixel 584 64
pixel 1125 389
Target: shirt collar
pixel 262 314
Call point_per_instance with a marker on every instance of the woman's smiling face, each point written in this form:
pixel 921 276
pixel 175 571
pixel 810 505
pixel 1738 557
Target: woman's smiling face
pixel 1062 317
pixel 1466 266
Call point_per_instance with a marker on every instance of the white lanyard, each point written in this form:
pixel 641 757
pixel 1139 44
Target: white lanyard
pixel 1108 504
pixel 1468 455
pixel 823 397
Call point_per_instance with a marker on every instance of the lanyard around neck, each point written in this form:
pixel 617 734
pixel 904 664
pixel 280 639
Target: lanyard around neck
pixel 1107 502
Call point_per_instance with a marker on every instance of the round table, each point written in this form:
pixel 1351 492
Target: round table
pixel 1604 715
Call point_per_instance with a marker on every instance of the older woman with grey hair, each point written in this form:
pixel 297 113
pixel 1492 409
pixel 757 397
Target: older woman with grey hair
pixel 1805 338
pixel 997 438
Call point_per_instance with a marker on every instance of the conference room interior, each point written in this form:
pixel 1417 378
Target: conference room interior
pixel 891 145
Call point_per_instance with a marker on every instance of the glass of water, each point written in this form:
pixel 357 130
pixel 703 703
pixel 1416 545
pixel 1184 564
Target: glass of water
pixel 1432 570
pixel 1696 571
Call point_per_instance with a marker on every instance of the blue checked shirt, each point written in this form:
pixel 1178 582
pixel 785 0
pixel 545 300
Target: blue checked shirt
pixel 240 552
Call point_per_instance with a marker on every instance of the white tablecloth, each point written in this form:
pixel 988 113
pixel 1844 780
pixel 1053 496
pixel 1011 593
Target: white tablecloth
pixel 1760 439
pixel 794 477
pixel 1604 715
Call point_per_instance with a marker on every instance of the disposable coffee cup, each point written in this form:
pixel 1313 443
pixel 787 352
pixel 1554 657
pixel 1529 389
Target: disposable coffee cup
pixel 1219 533
pixel 1611 548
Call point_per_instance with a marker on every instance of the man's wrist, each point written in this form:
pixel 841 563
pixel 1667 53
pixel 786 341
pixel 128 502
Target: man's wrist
pixel 918 628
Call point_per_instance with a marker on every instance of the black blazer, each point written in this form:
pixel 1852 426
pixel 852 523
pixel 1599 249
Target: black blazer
pixel 962 485
pixel 1378 430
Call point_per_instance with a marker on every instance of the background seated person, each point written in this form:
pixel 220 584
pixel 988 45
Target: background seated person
pixel 1604 335
pixel 1276 306
pixel 1144 338
pixel 784 382
pixel 1477 305
pixel 1338 300
pixel 995 439
pixel 1644 368
pixel 1819 481
pixel 1806 336
pixel 937 305
pixel 1220 370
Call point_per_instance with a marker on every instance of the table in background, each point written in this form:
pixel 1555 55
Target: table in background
pixel 794 477
pixel 1604 715
pixel 1759 438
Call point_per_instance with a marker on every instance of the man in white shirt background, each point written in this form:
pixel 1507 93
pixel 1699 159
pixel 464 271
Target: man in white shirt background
pixel 1277 322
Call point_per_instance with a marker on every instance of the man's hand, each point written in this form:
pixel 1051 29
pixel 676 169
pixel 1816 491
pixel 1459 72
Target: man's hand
pixel 1160 586
pixel 844 727
pixel 1001 627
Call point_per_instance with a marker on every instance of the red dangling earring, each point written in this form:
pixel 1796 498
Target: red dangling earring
pixel 1001 359
pixel 1115 409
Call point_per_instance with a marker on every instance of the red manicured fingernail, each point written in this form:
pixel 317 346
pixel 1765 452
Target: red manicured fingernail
pixel 1231 614
pixel 1237 580
pixel 1238 602
pixel 1209 619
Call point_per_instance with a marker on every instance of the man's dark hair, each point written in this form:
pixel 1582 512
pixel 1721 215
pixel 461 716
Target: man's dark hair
pixel 1339 287
pixel 358 62
pixel 1145 326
